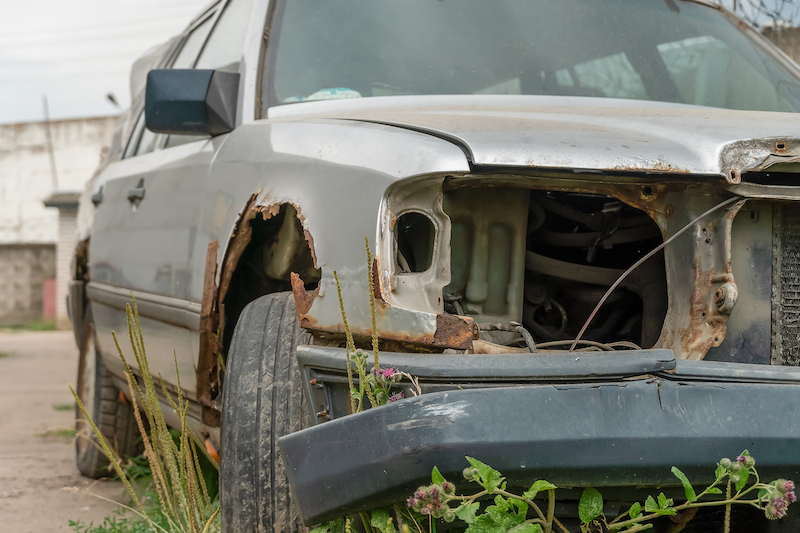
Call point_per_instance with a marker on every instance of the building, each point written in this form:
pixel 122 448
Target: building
pixel 30 174
pixel 785 37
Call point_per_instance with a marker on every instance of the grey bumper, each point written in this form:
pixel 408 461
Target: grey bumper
pixel 577 430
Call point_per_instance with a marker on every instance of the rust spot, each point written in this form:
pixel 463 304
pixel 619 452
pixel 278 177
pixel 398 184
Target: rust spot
pixel 267 212
pixel 240 238
pixel 207 372
pixel 707 328
pixel 454 331
pixel 212 451
pixel 307 235
pixel 376 281
pixel 303 299
pixel 780 147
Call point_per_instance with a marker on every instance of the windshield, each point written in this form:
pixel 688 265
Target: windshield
pixel 664 50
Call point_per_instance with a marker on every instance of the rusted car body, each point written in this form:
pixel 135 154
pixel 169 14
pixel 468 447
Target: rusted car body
pixel 485 212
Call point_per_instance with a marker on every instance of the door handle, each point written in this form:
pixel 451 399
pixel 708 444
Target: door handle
pixel 136 194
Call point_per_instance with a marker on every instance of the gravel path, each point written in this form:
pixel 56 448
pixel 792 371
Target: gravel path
pixel 36 459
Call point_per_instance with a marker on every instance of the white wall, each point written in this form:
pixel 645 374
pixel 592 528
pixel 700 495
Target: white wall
pixel 25 176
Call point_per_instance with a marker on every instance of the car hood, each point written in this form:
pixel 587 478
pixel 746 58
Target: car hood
pixel 582 133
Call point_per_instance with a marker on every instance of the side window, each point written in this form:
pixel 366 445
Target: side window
pixel 136 134
pixel 192 45
pixel 223 50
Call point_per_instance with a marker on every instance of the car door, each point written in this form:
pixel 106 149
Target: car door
pixel 144 235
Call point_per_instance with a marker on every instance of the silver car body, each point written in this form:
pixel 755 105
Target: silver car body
pixel 350 168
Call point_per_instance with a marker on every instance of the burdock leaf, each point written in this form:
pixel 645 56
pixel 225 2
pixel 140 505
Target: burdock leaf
pixel 650 505
pixel 743 475
pixel 466 512
pixel 490 478
pixel 590 506
pixel 687 487
pixel 381 521
pixel 526 528
pixel 333 525
pixel 713 490
pixel 436 477
pixel 537 487
pixel 635 511
pixel 662 501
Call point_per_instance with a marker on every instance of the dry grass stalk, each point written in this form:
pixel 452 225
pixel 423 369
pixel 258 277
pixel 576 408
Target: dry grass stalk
pixel 177 476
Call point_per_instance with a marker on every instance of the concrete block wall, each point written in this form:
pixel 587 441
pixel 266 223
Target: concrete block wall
pixel 23 269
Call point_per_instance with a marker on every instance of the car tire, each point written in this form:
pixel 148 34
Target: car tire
pixel 104 403
pixel 262 401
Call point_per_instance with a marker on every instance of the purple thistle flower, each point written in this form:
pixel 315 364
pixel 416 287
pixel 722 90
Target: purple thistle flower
pixel 396 397
pixel 420 494
pixel 411 502
pixel 776 507
pixel 389 372
pixel 741 459
pixel 788 485
pixel 425 510
pixel 790 497
pixel 434 492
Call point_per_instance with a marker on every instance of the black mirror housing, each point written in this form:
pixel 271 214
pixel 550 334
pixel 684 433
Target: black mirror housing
pixel 191 102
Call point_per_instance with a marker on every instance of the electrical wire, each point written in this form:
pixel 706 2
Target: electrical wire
pixel 645 258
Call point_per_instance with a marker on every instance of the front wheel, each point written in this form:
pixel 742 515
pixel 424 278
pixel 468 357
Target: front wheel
pixel 262 401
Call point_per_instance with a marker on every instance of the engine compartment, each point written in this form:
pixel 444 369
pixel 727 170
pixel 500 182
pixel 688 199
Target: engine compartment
pixel 545 258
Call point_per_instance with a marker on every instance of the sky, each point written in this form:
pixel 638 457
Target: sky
pixel 77 51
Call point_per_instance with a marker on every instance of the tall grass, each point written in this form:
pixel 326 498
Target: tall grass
pixel 185 504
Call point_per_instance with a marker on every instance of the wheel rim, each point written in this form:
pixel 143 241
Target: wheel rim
pixel 87 383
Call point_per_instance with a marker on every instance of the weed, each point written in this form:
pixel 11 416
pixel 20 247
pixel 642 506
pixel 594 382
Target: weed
pixel 58 433
pixel 119 523
pixel 184 501
pixel 512 512
pixel 375 383
pixel 33 325
pixel 63 406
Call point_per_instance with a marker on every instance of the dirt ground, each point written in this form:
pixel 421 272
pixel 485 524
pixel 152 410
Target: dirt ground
pixel 36 459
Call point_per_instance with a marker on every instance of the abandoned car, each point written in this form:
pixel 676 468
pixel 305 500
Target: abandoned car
pixel 513 165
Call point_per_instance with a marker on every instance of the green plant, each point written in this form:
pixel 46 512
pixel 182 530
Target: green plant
pixel 185 504
pixel 3 355
pixel 511 512
pixel 33 325
pixel 58 433
pixel 374 383
pixel 63 406
pixel 119 523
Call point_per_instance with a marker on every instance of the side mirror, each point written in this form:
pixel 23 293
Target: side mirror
pixel 191 102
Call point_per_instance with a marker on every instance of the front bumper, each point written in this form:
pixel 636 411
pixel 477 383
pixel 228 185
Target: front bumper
pixel 614 419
